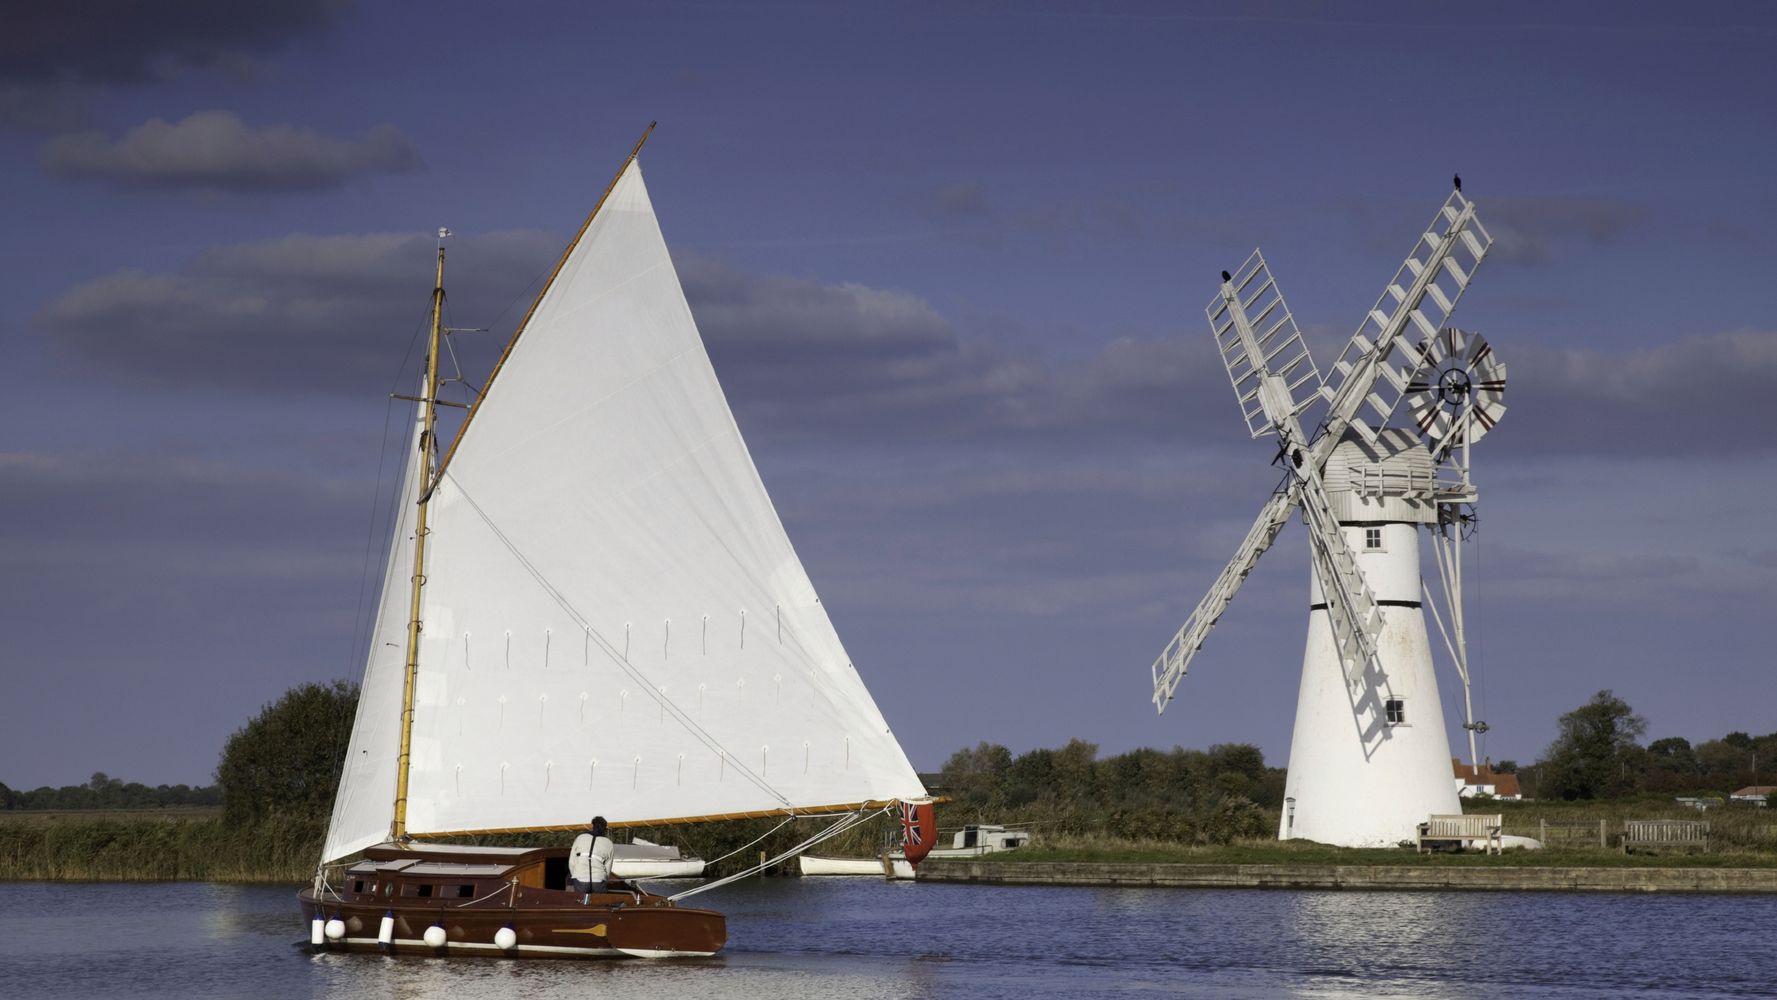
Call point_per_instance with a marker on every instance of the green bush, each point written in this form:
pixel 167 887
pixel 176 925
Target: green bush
pixel 287 759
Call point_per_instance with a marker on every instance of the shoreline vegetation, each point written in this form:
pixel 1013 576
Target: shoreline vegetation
pixel 202 845
pixel 155 845
pixel 1219 806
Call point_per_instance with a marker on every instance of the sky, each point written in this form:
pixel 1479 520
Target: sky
pixel 950 261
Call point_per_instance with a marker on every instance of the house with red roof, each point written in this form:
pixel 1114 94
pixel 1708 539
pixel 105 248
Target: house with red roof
pixel 1756 795
pixel 1482 781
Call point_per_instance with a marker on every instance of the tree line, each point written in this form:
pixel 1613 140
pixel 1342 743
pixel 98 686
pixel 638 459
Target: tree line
pixel 1597 754
pixel 1217 795
pixel 102 791
pixel 285 763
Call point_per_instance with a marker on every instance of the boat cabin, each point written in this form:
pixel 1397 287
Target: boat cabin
pixel 451 873
pixel 988 837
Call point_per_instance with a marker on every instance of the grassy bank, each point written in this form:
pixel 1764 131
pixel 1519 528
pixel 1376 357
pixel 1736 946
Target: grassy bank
pixel 1739 838
pixel 1731 828
pixel 1105 850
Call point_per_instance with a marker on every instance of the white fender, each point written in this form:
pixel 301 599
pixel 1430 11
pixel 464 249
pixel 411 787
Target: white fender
pixel 505 938
pixel 435 936
pixel 336 929
pixel 385 934
pixel 317 932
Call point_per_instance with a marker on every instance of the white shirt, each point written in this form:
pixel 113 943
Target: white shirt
pixel 590 859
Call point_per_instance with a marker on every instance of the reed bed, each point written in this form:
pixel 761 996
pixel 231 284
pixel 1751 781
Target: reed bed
pixel 118 847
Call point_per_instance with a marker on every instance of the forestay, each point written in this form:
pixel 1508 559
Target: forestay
pixel 615 621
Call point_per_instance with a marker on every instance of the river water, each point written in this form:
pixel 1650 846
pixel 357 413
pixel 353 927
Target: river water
pixel 865 938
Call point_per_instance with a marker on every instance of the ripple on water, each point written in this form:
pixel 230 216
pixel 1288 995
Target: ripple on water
pixel 864 938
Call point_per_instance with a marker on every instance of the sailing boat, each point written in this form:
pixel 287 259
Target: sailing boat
pixel 590 608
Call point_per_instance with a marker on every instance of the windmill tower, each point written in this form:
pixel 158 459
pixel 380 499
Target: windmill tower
pixel 1369 757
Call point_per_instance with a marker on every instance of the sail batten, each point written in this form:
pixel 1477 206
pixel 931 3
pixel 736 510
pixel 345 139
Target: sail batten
pixel 614 620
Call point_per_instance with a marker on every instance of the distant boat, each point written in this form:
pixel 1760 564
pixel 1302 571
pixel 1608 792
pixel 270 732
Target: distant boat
pixel 589 607
pixel 641 859
pixel 817 864
pixel 970 842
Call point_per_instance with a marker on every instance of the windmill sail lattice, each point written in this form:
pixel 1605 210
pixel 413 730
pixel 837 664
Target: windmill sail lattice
pixel 1373 373
pixel 1269 343
pixel 1169 669
pixel 1360 772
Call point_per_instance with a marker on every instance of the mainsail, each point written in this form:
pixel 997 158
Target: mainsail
pixel 614 620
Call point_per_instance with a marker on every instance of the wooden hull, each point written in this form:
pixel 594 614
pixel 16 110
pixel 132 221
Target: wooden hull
pixel 545 924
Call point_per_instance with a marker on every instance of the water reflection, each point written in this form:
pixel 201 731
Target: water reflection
pixel 1385 944
pixel 862 938
pixel 738 976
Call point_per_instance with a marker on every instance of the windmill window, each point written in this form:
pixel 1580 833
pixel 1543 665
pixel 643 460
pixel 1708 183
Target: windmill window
pixel 1372 539
pixel 1395 711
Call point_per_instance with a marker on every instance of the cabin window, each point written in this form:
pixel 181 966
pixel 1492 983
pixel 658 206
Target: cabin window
pixel 424 890
pixel 388 890
pixel 465 891
pixel 1395 710
pixel 1372 539
pixel 358 886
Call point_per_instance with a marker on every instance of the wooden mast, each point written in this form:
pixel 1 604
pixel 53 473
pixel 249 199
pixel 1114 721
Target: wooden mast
pixel 398 829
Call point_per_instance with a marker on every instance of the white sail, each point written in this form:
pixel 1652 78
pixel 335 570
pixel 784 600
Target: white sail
pixel 614 620
pixel 365 803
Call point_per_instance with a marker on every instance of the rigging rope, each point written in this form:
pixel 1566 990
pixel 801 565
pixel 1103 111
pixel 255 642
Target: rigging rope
pixel 844 823
pixel 787 820
pixel 360 620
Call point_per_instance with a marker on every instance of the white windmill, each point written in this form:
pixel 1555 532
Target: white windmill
pixel 1369 758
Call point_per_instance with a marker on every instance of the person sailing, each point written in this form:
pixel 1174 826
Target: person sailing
pixel 589 862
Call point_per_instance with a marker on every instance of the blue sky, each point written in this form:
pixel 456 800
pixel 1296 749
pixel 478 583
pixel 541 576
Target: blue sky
pixel 950 261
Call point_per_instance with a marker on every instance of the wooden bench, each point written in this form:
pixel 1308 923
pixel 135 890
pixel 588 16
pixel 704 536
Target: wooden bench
pixel 1663 833
pixel 1462 829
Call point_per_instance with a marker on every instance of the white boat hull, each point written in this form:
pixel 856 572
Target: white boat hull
pixel 898 867
pixel 647 868
pixel 814 864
